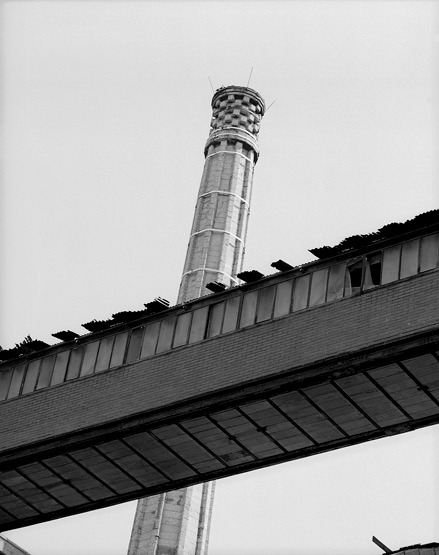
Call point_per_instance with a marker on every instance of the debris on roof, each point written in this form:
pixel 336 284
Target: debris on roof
pixel 157 305
pixel 98 325
pixel 66 335
pixel 25 347
pixel 251 276
pixel 281 266
pixel 128 316
pixel 388 231
pixel 215 286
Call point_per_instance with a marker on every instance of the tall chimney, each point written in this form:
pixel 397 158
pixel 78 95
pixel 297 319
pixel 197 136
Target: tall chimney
pixel 217 241
pixel 178 522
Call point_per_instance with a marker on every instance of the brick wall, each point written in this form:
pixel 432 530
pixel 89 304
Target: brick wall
pixel 399 310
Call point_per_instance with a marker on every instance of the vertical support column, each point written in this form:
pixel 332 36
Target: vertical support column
pixel 178 522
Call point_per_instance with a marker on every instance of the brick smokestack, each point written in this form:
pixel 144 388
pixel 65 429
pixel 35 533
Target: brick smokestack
pixel 217 241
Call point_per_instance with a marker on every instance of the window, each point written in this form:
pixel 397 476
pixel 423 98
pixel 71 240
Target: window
pixel 199 323
pixel 409 258
pixel 150 340
pixel 336 282
pixel 31 376
pixel 118 353
pixel 166 334
pixel 46 372
pixel 318 287
pixel 391 259
pixel 282 306
pixel 182 329
pixel 429 252
pixel 104 355
pixel 300 297
pixel 248 313
pixel 135 344
pixel 17 380
pixel 88 364
pixel 59 371
pixel 231 314
pixel 265 304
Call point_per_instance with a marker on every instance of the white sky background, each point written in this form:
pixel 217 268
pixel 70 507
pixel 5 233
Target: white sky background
pixel 105 112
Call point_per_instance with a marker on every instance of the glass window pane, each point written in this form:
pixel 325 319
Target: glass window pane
pixel 282 306
pixel 46 372
pixel 231 314
pixel 59 371
pixel 182 329
pixel 300 297
pixel 372 271
pixel 104 354
pixel 88 364
pixel 336 282
pixel 75 363
pixel 17 380
pixel 318 287
pixel 409 258
pixel 391 264
pixel 166 333
pixel 150 339
pixel 31 376
pixel 135 344
pixel 265 304
pixel 5 380
pixel 120 342
pixel 216 319
pixel 248 312
pixel 199 323
pixel 429 252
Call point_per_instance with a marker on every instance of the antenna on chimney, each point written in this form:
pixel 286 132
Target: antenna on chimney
pixel 211 84
pixel 380 544
pixel 248 82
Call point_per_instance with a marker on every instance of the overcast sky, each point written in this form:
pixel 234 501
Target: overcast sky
pixel 105 113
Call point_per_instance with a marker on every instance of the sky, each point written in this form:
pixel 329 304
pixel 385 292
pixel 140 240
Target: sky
pixel 105 110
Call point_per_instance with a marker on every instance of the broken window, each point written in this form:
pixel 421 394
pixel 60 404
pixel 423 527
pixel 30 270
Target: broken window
pixel 135 344
pixel 216 319
pixel 372 270
pixel 354 277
